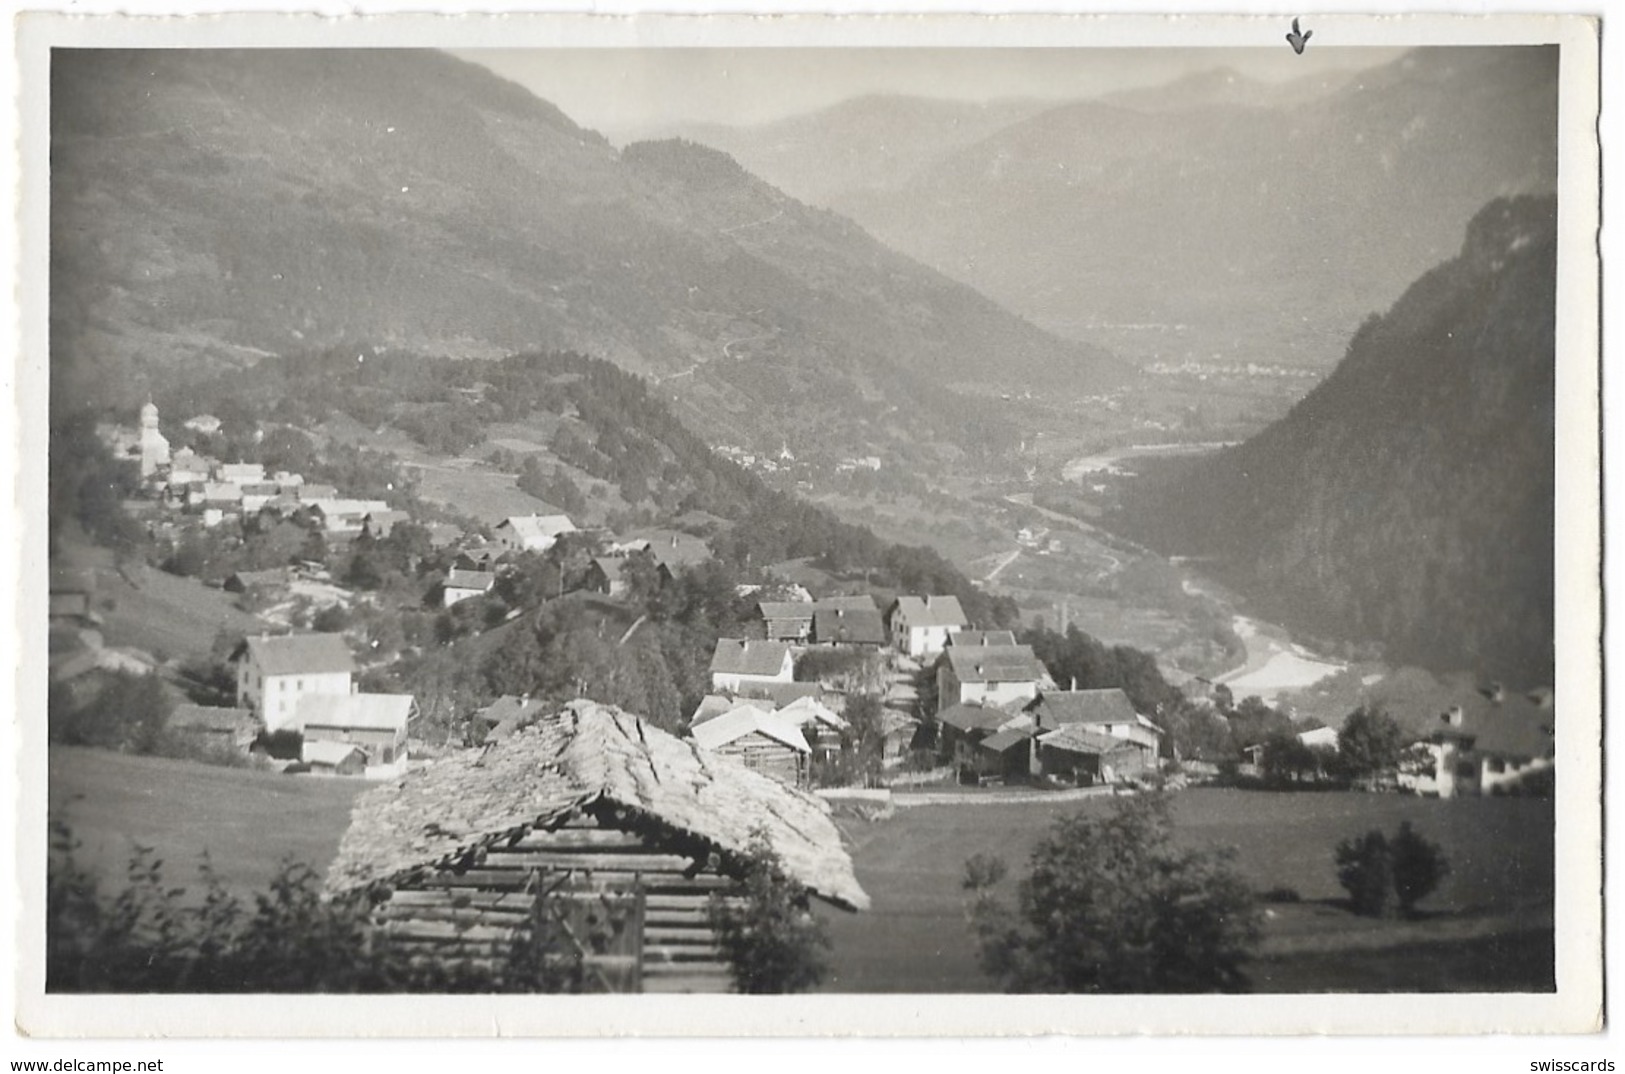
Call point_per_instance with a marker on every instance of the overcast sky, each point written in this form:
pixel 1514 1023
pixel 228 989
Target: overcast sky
pixel 615 90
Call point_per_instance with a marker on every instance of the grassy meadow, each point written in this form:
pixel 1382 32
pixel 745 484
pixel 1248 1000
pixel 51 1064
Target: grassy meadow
pixel 1488 928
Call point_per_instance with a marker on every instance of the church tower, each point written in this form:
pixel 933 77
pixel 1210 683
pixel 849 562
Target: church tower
pixel 154 448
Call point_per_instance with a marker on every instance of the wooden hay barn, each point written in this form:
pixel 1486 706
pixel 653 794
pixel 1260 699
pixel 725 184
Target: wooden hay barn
pixel 634 828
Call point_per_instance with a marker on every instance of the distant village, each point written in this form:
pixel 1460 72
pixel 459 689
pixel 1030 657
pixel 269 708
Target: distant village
pixel 997 714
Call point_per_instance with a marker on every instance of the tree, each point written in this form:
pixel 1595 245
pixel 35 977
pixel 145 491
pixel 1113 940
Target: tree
pixel 1287 759
pixel 1371 743
pixel 771 939
pixel 1111 905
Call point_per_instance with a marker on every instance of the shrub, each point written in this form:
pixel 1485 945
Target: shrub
pixel 284 745
pixel 1377 871
pixel 1111 905
pixel 150 937
pixel 771 940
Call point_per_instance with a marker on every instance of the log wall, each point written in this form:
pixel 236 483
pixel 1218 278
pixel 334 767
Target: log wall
pixel 634 905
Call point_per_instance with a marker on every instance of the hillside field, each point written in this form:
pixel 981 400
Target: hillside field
pixel 1488 928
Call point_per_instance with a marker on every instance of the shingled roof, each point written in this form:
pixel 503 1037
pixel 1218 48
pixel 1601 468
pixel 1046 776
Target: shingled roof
pixel 298 654
pixel 734 656
pixel 994 663
pixel 587 754
pixel 748 719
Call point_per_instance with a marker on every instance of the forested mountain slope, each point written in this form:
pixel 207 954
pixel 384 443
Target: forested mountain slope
pixel 214 207
pixel 1409 497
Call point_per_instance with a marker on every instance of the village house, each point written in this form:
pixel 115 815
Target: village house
pixel 614 815
pixel 1497 743
pixel 760 739
pixel 463 584
pixel 258 496
pixel 738 662
pixel 374 723
pixel 921 626
pixel 309 493
pixel 848 626
pixel 531 533
pixel 785 620
pixel 604 576
pixel 672 549
pixel 381 523
pixel 240 473
pixel 274 673
pixel 990 675
pixel 187 467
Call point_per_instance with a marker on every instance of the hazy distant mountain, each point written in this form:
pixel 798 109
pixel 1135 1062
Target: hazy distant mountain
pixel 218 205
pixel 1269 233
pixel 1227 86
pixel 873 141
pixel 1409 497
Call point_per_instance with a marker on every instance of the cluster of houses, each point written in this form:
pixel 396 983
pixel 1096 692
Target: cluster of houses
pixel 218 492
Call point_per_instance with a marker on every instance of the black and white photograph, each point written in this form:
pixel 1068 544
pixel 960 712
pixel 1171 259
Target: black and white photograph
pixel 843 511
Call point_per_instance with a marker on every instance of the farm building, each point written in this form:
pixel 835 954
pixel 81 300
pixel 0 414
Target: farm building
pixel 1106 711
pixel 737 663
pixel 269 582
pixel 327 758
pixel 921 626
pixel 605 811
pixel 380 524
pixel 991 674
pixel 785 620
pixel 274 673
pixel 760 739
pixel 1077 753
pixel 604 576
pixel 531 533
pixel 374 722
pixel 508 714
pixel 821 726
pixel 962 728
pixel 72 594
pixel 672 549
pixel 464 584
pixel 226 728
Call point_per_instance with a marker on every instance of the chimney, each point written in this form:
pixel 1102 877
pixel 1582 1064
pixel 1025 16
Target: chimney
pixel 1454 716
pixel 1495 692
pixel 674 540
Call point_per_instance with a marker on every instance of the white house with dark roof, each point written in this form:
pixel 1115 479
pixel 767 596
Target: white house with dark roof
pixel 921 626
pixel 1488 744
pixel 463 584
pixel 988 675
pixel 274 673
pixel 531 533
pixel 737 663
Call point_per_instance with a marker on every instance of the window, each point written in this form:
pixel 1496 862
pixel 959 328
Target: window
pixel 1497 765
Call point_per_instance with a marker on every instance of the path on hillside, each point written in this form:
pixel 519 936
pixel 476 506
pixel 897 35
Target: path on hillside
pixel 1008 559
